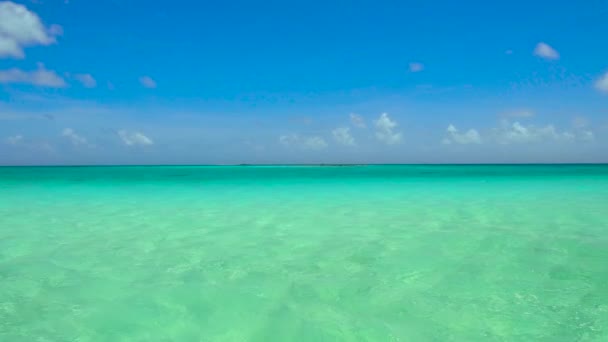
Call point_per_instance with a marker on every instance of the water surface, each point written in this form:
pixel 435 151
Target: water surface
pixel 272 253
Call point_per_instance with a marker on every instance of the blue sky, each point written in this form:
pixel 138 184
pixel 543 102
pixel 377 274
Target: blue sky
pixel 120 82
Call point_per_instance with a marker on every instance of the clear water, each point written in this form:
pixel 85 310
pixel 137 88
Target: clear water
pixel 365 253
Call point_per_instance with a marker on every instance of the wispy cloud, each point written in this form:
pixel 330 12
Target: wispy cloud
pixel 147 82
pixel 12 116
pixel 315 143
pixel 73 137
pixel 40 77
pixel 544 50
pixel 416 67
pixel 586 135
pixel 342 136
pixel 86 80
pixel 582 129
pixel 19 141
pixel 310 143
pixel 580 122
pixel 20 28
pixel 14 140
pixel 385 130
pixel 134 138
pixel 519 113
pixel 288 139
pixel 454 136
pixel 601 83
pixel 357 120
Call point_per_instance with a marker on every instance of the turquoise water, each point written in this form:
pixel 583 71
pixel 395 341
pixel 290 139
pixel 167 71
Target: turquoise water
pixel 362 253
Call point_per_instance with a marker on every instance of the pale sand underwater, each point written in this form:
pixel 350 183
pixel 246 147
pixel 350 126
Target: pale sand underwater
pixel 362 253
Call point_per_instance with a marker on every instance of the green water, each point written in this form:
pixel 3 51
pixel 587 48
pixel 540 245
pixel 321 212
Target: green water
pixel 365 253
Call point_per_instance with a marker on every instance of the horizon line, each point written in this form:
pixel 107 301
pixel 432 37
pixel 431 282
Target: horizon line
pixel 301 164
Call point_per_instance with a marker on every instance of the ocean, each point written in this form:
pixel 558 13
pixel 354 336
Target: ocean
pixel 304 253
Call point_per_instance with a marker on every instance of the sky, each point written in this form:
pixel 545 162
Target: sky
pixel 279 82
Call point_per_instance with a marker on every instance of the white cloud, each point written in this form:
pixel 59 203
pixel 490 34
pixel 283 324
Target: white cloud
pixel 14 140
pixel 73 137
pixel 134 138
pixel 20 28
pixel 602 83
pixel 416 67
pixel 342 136
pixel 545 51
pixel 40 77
pixel 384 130
pixel 587 135
pixel 311 143
pixel 288 140
pixel 454 136
pixel 357 120
pixel 315 143
pixel 87 80
pixel 147 82
pixel 517 133
pixel 513 133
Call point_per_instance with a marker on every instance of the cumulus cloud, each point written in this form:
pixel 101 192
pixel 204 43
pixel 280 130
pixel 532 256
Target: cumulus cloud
pixel 454 136
pixel 14 140
pixel 20 28
pixel 544 50
pixel 86 80
pixel 517 133
pixel 40 77
pixel 602 83
pixel 416 67
pixel 310 143
pixel 73 137
pixel 342 136
pixel 357 120
pixel 385 130
pixel 147 82
pixel 514 133
pixel 134 138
